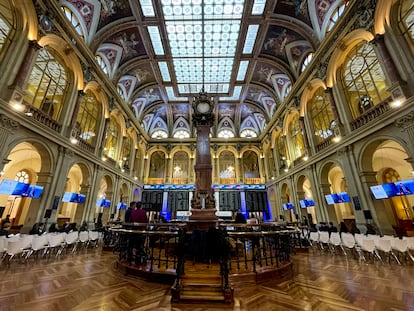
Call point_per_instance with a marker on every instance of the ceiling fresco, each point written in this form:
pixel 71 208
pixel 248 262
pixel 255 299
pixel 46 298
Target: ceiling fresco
pixel 149 47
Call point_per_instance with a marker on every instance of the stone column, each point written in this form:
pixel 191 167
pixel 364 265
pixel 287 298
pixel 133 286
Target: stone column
pixel 334 108
pixel 330 212
pixel 102 135
pixel 305 135
pixel 82 208
pixel 216 170
pixel 37 208
pixel 239 170
pixel 377 208
pixel 397 85
pixel 26 65
pixel 168 170
pixel 262 169
pixel 74 129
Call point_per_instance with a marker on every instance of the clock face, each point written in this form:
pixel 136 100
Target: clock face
pixel 203 107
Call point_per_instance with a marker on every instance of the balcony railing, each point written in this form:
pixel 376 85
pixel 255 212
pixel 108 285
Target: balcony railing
pixel 155 181
pixel 179 181
pixel 371 114
pixel 85 146
pixel 43 118
pixel 324 144
pixel 252 181
pixel 228 181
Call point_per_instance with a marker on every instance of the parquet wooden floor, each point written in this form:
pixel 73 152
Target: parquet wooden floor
pixel 88 281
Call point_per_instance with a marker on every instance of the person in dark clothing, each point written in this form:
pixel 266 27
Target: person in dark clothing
pixel 354 229
pixel 53 228
pixel 138 214
pixel 129 210
pixel 332 228
pixel 343 228
pixel 239 218
pixel 38 228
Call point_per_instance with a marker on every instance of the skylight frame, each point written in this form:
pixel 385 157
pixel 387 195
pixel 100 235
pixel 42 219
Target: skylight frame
pixel 220 27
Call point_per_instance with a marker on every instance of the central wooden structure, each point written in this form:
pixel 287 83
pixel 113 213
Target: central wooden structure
pixel 203 204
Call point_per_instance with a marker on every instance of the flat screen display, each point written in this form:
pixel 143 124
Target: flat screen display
pixel 398 188
pixel 288 206
pixel 106 203
pixel 121 205
pixel 80 198
pixel 20 188
pixel 69 197
pixel 341 197
pixel 33 191
pixel 7 186
pixel 306 203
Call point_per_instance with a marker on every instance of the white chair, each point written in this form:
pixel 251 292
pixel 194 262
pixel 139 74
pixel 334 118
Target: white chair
pixel 94 237
pixel 383 245
pixel 314 238
pixel 14 247
pixel 84 238
pixel 335 242
pixel 401 247
pixel 323 239
pixel 348 242
pixel 3 247
pixel 72 239
pixel 410 245
pixel 56 242
pixel 39 244
pixel 368 246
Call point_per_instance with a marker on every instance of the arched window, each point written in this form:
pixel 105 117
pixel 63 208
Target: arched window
pixel 5 27
pixel 226 133
pixel 181 134
pixel 88 115
pixel 180 167
pixel 306 62
pixel 126 148
pixel 159 134
pixel 336 14
pixel 47 84
pixel 406 22
pixel 102 64
pixel 113 135
pixel 73 19
pixel 250 165
pixel 227 167
pixel 22 176
pixel 283 155
pixel 248 133
pixel 296 139
pixel 321 115
pixel 363 79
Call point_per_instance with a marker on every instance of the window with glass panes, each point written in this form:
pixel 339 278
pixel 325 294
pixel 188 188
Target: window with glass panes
pixel 296 138
pixel 363 78
pixel 321 115
pixel 47 84
pixel 112 138
pixel 88 116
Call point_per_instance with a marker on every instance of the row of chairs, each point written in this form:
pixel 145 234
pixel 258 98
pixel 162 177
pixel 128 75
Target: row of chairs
pixel 374 246
pixel 24 245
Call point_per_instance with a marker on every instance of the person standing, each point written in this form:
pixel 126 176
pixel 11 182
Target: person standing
pixel 131 207
pixel 138 214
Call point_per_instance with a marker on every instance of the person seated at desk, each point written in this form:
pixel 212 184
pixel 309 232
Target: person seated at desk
pixel 5 229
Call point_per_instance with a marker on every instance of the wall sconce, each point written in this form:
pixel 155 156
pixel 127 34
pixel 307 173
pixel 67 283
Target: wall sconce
pixel 16 101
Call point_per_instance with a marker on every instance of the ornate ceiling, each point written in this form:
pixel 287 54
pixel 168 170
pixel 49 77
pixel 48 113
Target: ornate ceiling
pixel 159 54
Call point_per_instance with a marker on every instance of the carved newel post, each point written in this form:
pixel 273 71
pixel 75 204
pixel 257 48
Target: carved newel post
pixel 203 203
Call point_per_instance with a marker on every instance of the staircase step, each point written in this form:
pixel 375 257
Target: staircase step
pixel 205 296
pixel 203 288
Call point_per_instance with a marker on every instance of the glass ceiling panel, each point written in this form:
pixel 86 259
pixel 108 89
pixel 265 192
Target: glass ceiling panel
pixel 202 35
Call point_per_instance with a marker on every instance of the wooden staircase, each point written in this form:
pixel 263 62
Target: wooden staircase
pixel 200 284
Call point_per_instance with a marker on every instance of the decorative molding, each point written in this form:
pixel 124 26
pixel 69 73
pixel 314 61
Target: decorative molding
pixel 8 124
pixel 406 121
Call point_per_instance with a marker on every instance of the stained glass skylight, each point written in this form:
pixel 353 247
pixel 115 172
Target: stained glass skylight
pixel 203 34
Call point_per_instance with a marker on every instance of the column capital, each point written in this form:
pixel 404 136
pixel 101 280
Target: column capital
pixel 8 124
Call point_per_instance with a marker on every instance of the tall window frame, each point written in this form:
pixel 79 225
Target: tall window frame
pixel 297 144
pixel 363 79
pixel 113 135
pixel 47 83
pixel 88 116
pixel 321 115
